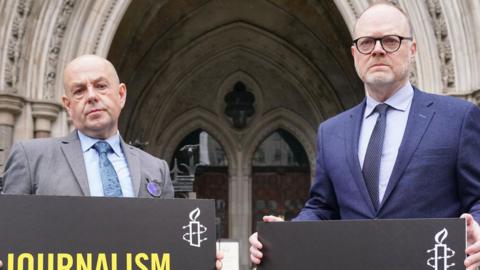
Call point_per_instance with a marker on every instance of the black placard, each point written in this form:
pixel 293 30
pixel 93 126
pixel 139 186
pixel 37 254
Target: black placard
pixel 114 233
pixel 413 244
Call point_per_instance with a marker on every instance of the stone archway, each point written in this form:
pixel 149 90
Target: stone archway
pixel 173 54
pixel 181 63
pixel 39 37
pixel 185 58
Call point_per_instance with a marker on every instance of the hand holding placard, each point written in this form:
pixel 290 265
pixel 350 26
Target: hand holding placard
pixel 255 245
pixel 219 258
pixel 472 262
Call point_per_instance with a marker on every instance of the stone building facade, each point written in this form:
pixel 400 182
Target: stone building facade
pixel 180 59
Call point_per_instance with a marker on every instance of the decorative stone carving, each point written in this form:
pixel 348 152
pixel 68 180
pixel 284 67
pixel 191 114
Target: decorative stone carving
pixel 394 2
pixel 55 46
pixel 444 46
pixel 106 17
pixel 476 97
pixel 44 114
pixel 14 47
pixel 472 96
pixel 354 10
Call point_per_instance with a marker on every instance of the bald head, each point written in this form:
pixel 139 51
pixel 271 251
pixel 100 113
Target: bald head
pixel 388 49
pixel 382 14
pixel 86 63
pixel 93 96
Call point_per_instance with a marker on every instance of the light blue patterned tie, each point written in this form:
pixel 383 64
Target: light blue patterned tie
pixel 110 183
pixel 373 156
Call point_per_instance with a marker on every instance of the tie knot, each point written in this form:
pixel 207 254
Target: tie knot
pixel 382 108
pixel 102 147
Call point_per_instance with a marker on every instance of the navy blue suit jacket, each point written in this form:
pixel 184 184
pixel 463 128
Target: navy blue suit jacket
pixel 436 174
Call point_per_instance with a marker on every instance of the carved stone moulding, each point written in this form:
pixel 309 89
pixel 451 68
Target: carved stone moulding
pixel 56 40
pixel 44 114
pixel 103 25
pixel 443 39
pixel 476 97
pixel 472 96
pixel 15 43
pixel 10 106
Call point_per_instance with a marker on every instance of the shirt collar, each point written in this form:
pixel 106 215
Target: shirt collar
pixel 87 142
pixel 399 101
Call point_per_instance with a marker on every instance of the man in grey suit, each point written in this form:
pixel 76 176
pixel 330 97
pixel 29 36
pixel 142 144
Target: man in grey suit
pixel 93 160
pixel 93 98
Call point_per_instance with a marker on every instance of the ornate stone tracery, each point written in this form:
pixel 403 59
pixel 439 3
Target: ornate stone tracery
pixel 444 46
pixel 15 44
pixel 354 10
pixel 55 46
pixel 106 18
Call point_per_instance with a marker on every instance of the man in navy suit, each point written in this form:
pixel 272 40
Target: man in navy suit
pixel 401 153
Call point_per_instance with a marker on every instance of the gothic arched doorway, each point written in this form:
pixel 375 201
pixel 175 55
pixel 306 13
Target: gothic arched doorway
pixel 280 177
pixel 200 170
pixel 182 58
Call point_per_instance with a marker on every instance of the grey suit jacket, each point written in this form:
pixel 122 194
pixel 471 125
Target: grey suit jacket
pixel 55 166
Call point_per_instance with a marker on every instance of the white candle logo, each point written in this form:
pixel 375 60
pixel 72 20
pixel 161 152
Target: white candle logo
pixel 195 229
pixel 441 252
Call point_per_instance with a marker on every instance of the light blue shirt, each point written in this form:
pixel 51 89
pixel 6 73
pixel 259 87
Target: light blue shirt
pixel 117 158
pixel 397 116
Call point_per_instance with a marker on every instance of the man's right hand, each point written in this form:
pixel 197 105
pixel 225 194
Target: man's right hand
pixel 255 245
pixel 1 264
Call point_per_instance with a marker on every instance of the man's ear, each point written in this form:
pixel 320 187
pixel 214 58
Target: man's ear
pixel 66 103
pixel 413 48
pixel 122 93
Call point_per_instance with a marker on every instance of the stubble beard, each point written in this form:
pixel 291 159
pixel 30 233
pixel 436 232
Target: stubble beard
pixel 378 80
pixel 387 81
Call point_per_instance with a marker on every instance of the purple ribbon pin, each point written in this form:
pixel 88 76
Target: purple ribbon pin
pixel 153 187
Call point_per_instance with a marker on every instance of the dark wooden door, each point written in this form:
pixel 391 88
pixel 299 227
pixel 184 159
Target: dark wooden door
pixel 278 192
pixel 214 185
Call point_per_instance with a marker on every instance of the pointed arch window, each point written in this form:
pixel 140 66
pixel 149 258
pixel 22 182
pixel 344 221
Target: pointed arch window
pixel 203 173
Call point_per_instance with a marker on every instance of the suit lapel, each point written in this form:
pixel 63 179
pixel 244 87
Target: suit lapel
pixel 352 135
pixel 133 162
pixel 419 118
pixel 72 150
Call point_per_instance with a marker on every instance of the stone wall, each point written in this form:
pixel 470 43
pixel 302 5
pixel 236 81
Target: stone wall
pixel 180 58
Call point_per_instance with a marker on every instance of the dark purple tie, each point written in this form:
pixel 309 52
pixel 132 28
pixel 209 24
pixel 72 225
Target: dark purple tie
pixel 373 156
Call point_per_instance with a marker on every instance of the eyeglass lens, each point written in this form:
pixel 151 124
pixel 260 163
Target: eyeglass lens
pixel 389 43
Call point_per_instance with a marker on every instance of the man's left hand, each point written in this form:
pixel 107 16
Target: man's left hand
pixel 472 262
pixel 219 257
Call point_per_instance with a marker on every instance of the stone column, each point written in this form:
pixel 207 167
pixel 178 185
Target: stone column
pixel 10 107
pixel 240 207
pixel 44 113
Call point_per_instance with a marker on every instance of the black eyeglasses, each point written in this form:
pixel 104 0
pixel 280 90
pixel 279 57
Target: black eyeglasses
pixel 390 43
